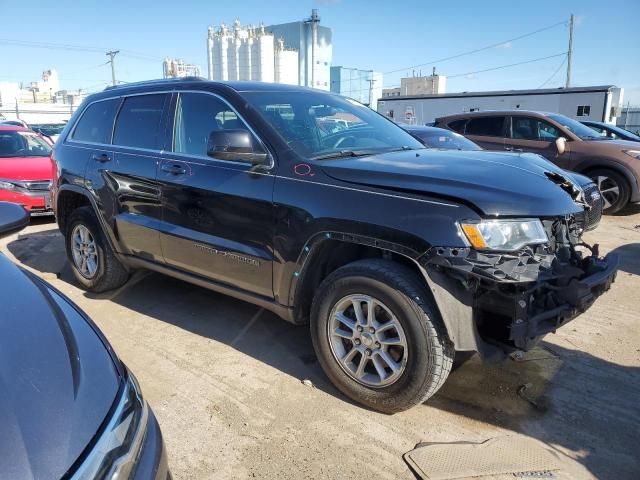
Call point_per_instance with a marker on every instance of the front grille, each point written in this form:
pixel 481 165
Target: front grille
pixel 594 199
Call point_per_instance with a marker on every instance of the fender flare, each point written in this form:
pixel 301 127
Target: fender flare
pixel 455 311
pixel 106 229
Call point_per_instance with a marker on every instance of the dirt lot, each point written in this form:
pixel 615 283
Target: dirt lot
pixel 225 380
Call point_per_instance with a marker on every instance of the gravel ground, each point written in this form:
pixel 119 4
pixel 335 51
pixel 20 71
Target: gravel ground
pixel 225 380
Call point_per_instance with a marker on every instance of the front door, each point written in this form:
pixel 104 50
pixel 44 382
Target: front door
pixel 218 215
pixel 530 134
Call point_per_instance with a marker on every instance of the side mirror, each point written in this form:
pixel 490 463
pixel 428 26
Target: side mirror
pixel 13 218
pixel 235 145
pixel 561 144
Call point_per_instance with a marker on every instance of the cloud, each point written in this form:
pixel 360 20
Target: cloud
pixel 504 45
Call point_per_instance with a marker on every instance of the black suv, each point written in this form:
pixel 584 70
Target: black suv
pixel 318 209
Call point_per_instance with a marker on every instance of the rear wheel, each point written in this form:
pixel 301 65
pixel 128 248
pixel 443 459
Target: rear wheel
pixel 93 262
pixel 614 189
pixel 379 337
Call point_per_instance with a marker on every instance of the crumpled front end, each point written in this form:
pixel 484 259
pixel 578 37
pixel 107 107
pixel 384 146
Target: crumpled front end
pixel 511 300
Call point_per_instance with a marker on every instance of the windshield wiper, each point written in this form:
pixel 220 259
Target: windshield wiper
pixel 359 153
pixel 344 154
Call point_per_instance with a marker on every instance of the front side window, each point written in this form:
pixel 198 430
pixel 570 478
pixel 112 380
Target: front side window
pixel 96 123
pixel 319 125
pixel 22 144
pixel 485 126
pixel 197 116
pixel 528 128
pixel 138 123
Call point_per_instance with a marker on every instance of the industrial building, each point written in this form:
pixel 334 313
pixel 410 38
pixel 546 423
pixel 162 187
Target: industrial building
pixel 297 53
pixel 176 68
pixel 630 119
pixel 418 85
pixel 364 86
pixel 598 103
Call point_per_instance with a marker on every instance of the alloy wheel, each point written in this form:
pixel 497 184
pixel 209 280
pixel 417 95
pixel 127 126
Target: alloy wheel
pixel 85 253
pixel 367 340
pixel 609 189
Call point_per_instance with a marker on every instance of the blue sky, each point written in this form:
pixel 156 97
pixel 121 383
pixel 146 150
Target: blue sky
pixel 379 35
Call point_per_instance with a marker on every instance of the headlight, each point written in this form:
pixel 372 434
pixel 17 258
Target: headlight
pixel 506 235
pixel 633 153
pixel 114 455
pixel 6 185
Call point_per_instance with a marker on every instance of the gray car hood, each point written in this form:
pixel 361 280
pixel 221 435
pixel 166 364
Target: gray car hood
pixel 57 379
pixel 498 184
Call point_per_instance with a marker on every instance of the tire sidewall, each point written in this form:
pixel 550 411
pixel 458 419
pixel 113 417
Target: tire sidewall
pixel 419 342
pixel 85 218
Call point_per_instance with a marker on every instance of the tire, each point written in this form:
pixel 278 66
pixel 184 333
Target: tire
pixel 425 362
pixel 109 272
pixel 608 181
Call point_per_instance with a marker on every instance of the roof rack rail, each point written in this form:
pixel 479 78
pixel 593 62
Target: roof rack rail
pixel 156 81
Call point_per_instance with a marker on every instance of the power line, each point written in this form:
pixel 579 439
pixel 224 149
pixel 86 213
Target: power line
pixel 477 50
pixel 507 66
pixel 554 73
pixel 500 67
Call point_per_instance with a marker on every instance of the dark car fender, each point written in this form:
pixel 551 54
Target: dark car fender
pixel 91 199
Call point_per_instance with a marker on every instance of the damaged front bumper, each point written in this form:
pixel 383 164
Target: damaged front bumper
pixel 511 301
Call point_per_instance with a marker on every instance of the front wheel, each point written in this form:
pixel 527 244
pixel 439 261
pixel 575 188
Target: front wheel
pixel 614 189
pixel 379 337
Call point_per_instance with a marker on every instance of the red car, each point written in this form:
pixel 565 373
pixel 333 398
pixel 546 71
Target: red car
pixel 25 169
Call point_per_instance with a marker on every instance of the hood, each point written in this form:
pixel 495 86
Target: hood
pixel 57 379
pixel 26 168
pixel 496 183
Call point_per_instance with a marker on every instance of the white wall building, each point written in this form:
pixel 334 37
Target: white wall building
pixel 241 53
pixel 430 85
pixel 297 53
pixel 599 103
pixel 314 46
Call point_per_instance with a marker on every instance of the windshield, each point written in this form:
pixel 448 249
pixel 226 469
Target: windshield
pixel 22 144
pixel 582 131
pixel 319 125
pixel 444 139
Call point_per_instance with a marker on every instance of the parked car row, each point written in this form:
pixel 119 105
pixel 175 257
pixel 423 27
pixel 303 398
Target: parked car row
pixel 399 248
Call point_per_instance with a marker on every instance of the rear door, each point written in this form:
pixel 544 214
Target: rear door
pixel 124 175
pixel 488 131
pixel 218 215
pixel 535 135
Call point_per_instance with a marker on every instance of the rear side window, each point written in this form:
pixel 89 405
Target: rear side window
pixel 487 126
pixel 457 125
pixel 138 123
pixel 96 122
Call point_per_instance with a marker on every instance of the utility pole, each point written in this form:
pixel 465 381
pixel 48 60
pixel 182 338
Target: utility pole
pixel 371 99
pixel 570 51
pixel 111 55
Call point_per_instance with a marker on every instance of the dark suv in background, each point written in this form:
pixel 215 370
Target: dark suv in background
pixel 316 208
pixel 614 165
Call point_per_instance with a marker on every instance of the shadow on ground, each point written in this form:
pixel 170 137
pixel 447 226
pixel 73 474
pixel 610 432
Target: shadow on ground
pixel 571 399
pixel 629 257
pixel 630 209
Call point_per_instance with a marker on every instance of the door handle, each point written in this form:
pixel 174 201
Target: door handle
pixel 173 168
pixel 101 157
